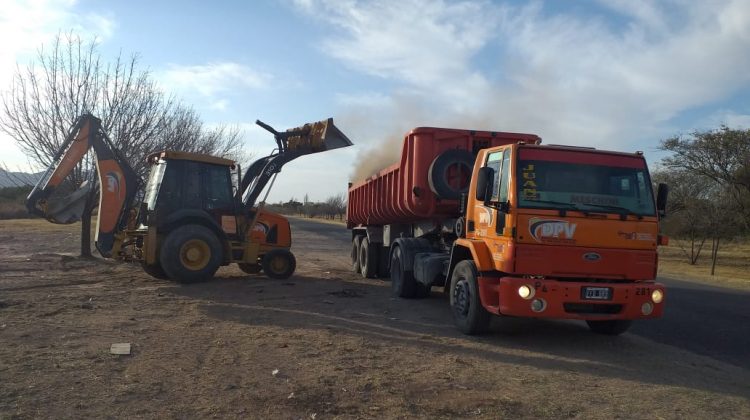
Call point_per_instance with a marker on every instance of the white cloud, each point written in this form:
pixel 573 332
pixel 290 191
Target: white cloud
pixel 213 79
pixel 573 78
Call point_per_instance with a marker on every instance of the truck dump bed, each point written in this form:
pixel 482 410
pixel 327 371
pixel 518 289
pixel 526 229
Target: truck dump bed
pixel 426 184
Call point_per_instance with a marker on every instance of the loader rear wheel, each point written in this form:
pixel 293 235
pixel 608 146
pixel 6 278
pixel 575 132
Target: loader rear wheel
pixel 403 284
pixel 468 313
pixel 155 271
pixel 368 259
pixel 279 264
pixel 610 327
pixel 356 242
pixel 190 254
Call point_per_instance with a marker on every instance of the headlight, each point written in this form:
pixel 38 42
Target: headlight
pixel 657 296
pixel 526 292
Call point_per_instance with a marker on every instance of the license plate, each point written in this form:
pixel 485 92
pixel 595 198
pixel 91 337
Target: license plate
pixel 596 293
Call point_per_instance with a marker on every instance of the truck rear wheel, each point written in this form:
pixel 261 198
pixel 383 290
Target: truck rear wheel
pixel 403 283
pixel 356 242
pixel 190 254
pixel 279 264
pixel 610 327
pixel 468 313
pixel 368 259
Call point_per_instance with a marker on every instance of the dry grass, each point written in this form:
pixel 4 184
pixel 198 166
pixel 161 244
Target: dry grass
pixel 340 222
pixel 732 267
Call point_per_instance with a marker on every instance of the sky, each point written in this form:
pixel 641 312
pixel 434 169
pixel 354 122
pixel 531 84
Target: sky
pixel 612 74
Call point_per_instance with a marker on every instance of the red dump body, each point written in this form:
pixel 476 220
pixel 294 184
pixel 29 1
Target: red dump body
pixel 435 167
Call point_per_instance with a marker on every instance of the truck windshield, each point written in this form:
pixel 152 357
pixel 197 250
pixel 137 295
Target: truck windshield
pixel 154 182
pixel 596 182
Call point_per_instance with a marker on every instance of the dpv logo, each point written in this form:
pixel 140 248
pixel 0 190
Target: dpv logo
pixel 548 230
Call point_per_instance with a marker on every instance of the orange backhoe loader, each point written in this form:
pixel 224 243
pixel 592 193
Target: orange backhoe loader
pixel 197 213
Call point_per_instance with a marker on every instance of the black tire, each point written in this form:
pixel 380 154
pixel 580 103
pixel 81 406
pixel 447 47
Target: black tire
pixel 468 313
pixel 155 271
pixel 356 241
pixel 250 268
pixel 383 261
pixel 403 284
pixel 368 259
pixel 611 327
pixel 190 254
pixel 279 264
pixel 450 173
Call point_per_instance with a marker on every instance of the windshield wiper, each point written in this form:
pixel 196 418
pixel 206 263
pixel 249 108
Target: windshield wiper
pixel 568 206
pixel 622 211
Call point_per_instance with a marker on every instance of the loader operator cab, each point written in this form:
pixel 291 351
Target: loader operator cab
pixel 185 184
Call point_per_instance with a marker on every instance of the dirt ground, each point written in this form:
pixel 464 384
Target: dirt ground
pixel 324 344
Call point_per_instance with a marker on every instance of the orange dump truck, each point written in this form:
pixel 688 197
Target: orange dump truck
pixel 512 228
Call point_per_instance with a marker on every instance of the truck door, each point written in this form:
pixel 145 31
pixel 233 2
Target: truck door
pixel 495 224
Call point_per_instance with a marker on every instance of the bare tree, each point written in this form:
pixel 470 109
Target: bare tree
pixel 70 79
pixel 722 155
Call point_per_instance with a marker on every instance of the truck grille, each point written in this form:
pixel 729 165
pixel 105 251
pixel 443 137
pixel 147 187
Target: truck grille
pixel 592 308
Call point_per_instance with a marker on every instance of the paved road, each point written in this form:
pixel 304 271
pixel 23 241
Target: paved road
pixel 711 321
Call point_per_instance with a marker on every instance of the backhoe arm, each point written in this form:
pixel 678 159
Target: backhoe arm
pixel 117 183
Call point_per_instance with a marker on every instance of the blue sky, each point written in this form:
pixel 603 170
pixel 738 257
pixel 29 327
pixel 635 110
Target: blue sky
pixel 615 74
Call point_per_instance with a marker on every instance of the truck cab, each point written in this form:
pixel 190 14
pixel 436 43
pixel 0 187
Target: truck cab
pixel 558 232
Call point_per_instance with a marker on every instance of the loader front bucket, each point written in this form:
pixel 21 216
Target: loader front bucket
pixel 316 137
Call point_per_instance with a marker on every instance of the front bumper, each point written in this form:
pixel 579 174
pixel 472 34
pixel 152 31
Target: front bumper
pixel 564 299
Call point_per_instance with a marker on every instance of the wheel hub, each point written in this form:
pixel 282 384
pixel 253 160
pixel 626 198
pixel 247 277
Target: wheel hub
pixel 461 297
pixel 195 254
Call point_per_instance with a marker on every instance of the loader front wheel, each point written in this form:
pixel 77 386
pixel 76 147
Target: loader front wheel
pixel 190 254
pixel 155 271
pixel 279 264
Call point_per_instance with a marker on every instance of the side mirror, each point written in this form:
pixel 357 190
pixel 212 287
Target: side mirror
pixel 661 199
pixel 484 183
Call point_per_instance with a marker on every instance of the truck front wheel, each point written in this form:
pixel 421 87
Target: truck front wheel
pixel 611 327
pixel 468 313
pixel 190 254
pixel 403 283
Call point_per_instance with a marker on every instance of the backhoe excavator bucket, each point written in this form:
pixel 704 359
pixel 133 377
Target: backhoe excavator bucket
pixel 316 137
pixel 68 209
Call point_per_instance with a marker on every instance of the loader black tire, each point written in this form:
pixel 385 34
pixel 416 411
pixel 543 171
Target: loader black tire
pixel 155 271
pixel 450 173
pixel 403 284
pixel 368 259
pixel 468 313
pixel 356 242
pixel 190 254
pixel 279 264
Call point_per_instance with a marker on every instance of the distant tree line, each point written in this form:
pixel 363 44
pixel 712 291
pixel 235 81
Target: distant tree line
pixel 332 208
pixel 709 177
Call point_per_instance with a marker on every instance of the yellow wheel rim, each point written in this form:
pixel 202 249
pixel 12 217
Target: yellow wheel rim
pixel 195 254
pixel 278 264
